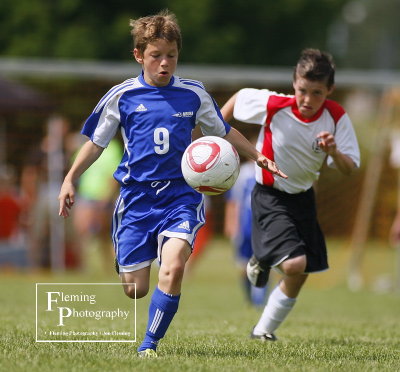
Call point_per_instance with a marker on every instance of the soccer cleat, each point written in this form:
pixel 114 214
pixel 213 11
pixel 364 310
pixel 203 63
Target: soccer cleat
pixel 147 353
pixel 264 337
pixel 257 275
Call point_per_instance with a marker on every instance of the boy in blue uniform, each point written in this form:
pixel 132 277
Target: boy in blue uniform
pixel 157 215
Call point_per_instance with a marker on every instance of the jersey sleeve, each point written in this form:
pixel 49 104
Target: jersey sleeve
pixel 210 119
pixel 346 141
pixel 103 122
pixel 251 105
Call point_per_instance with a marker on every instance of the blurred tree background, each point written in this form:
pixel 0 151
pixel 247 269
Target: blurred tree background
pixel 361 34
pixel 45 47
pixel 234 32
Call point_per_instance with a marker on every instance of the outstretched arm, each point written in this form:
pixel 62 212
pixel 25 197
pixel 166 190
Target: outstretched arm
pixel 246 149
pixel 87 155
pixel 241 143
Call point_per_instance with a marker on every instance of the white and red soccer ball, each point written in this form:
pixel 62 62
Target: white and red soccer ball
pixel 210 165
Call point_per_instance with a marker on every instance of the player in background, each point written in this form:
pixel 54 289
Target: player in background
pixel 394 234
pixel 94 204
pixel 157 215
pixel 300 132
pixel 237 227
pixel 203 237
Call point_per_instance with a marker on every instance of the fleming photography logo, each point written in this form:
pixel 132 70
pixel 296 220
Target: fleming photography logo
pixel 84 312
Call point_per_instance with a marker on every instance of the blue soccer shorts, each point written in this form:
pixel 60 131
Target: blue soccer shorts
pixel 148 213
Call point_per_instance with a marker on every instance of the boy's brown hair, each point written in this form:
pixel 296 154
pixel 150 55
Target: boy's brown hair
pixel 315 65
pixel 163 25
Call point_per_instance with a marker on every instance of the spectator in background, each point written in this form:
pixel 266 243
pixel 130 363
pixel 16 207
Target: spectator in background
pixel 12 251
pixel 35 200
pixel 394 235
pixel 97 190
pixel 237 227
pixel 206 233
pixel 36 186
pixel 204 236
pixel 10 207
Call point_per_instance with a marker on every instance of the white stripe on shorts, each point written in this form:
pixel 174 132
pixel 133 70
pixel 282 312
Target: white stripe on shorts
pixel 116 223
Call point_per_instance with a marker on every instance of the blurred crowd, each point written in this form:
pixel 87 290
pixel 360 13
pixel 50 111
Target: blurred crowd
pixel 29 206
pixel 29 218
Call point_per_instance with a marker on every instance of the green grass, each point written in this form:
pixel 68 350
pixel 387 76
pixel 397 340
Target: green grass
pixel 330 329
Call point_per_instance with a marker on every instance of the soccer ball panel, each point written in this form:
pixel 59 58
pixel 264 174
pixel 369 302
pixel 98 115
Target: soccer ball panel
pixel 210 165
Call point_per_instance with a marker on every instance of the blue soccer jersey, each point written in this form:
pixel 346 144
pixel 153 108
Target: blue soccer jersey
pixel 156 125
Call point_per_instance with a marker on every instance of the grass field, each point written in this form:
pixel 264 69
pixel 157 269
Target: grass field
pixel 330 329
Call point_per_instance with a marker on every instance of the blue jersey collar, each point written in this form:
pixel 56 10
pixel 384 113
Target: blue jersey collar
pixel 141 79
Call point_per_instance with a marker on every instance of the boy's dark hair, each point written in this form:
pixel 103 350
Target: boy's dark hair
pixel 315 65
pixel 163 25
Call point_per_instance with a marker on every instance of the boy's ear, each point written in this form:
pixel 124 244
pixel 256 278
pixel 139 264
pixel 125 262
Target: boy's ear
pixel 331 89
pixel 138 56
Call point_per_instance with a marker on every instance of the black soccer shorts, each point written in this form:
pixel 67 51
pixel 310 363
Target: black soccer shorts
pixel 286 226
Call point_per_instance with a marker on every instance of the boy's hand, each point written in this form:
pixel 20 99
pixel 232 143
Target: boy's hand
pixel 270 166
pixel 327 143
pixel 66 198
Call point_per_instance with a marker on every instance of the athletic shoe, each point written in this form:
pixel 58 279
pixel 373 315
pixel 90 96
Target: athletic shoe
pixel 147 353
pixel 257 273
pixel 264 337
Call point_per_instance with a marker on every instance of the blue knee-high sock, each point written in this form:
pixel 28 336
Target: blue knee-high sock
pixel 247 287
pixel 258 296
pixel 162 309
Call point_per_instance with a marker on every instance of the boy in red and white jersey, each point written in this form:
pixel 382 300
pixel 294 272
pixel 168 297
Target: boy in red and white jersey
pixel 299 132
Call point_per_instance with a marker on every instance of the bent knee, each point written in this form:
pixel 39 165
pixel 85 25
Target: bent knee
pixel 172 272
pixel 135 291
pixel 294 266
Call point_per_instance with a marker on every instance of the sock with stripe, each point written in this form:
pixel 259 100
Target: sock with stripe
pixel 162 309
